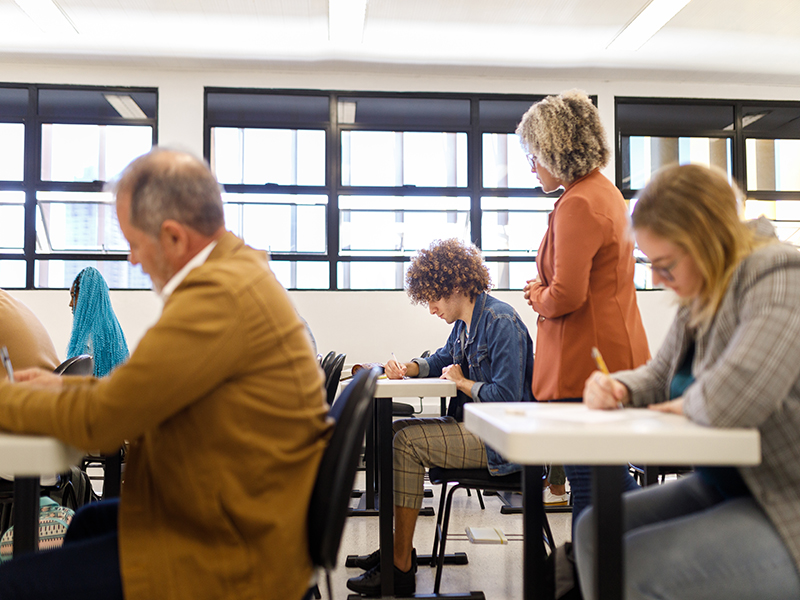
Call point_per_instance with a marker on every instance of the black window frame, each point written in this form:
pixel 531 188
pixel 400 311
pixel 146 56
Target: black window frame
pixel 32 182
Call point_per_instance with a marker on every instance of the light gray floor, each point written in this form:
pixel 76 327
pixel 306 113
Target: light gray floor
pixel 495 570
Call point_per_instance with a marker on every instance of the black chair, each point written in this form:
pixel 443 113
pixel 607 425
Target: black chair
pixel 83 364
pixel 332 377
pixel 325 362
pixel 337 470
pixel 477 479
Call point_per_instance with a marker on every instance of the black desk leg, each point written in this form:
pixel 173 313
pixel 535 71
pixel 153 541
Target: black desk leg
pixel 112 474
pixel 369 459
pixel 26 515
pixel 532 526
pixel 385 473
pixel 607 500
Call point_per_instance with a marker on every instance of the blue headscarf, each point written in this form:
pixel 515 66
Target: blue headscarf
pixel 95 329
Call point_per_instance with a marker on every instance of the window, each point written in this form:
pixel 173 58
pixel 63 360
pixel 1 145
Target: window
pixel 343 188
pixel 756 143
pixel 59 145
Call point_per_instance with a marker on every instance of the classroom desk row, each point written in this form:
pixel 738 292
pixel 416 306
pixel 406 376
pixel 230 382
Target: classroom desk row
pixel 534 434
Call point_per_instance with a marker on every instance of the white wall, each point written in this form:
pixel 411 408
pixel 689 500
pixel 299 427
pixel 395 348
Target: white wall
pixel 367 326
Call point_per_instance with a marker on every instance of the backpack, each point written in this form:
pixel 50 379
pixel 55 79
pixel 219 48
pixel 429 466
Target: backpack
pixel 53 522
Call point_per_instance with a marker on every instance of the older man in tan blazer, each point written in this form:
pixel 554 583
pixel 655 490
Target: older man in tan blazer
pixel 222 401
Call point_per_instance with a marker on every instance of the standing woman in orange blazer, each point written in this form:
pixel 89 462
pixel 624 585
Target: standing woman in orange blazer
pixel 584 292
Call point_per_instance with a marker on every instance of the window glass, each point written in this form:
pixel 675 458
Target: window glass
pixel 255 109
pixel 784 214
pixel 301 275
pixel 772 165
pixel 644 155
pixel 118 274
pixel 513 225
pixel 404 112
pixel 91 152
pixel 12 151
pixel 372 275
pixel 505 164
pixel 102 104
pixel 641 118
pixel 13 103
pixel 502 115
pixel 771 121
pixel 12 221
pixel 77 222
pixel 398 224
pixel 511 275
pixel 278 222
pixel 12 273
pixel 261 156
pixel 397 158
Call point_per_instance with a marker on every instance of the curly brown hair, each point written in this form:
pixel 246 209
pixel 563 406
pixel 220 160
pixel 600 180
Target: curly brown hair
pixel 446 267
pixel 565 135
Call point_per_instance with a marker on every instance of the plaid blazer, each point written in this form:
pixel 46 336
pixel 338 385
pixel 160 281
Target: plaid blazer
pixel 747 374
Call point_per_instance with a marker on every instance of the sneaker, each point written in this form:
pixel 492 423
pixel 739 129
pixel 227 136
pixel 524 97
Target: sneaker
pixel 551 499
pixel 369 583
pixel 370 561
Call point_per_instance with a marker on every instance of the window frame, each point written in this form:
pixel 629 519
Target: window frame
pixel 32 182
pixel 333 188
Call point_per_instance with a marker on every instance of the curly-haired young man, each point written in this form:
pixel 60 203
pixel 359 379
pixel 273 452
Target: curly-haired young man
pixel 489 356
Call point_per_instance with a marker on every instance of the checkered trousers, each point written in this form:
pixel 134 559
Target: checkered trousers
pixel 432 442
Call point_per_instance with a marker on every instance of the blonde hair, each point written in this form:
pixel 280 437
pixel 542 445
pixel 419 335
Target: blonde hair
pixel 565 135
pixel 696 208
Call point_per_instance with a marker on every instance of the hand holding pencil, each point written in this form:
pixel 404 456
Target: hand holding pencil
pixel 601 390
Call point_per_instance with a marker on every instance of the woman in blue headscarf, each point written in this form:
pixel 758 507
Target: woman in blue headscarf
pixel 95 328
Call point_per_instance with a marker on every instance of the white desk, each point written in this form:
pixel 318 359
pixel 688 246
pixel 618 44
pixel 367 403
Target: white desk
pixel 534 434
pixel 28 457
pixel 381 447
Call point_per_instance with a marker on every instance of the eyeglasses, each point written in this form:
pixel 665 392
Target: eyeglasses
pixel 531 160
pixel 665 272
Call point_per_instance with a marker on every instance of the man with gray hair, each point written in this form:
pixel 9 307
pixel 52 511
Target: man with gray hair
pixel 222 402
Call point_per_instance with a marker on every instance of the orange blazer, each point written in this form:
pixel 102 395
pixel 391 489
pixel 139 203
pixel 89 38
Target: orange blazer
pixel 585 294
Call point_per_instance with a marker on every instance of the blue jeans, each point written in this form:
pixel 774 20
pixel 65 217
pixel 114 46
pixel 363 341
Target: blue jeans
pixel 683 541
pixel 580 485
pixel 86 566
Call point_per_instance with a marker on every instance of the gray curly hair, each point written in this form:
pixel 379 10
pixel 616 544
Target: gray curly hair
pixel 565 135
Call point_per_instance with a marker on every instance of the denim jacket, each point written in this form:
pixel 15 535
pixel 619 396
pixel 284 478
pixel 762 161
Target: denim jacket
pixel 499 352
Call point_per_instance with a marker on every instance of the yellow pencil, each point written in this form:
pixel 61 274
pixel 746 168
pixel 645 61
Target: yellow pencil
pixel 598 358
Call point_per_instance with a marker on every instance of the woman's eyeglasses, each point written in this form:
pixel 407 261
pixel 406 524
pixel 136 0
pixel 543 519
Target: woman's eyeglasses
pixel 531 161
pixel 665 272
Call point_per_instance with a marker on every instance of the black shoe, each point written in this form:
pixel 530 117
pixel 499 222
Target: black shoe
pixel 369 583
pixel 373 560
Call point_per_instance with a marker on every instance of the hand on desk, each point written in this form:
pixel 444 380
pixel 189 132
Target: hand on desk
pixel 670 406
pixel 397 370
pixel 39 378
pixel 456 375
pixel 604 392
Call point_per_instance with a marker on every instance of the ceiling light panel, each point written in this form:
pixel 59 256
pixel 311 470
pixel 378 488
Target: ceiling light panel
pixel 646 24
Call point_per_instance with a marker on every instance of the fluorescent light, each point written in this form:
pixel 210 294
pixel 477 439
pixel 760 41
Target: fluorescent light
pixel 125 106
pixel 646 24
pixel 346 20
pixel 48 16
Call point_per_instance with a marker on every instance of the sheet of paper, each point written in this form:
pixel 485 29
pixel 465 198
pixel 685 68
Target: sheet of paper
pixel 582 414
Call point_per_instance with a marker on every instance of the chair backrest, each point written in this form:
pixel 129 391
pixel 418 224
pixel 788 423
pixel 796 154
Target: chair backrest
pixel 325 363
pixel 332 378
pixel 83 364
pixel 337 470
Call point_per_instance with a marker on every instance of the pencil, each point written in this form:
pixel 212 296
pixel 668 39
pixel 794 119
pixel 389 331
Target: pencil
pixel 598 358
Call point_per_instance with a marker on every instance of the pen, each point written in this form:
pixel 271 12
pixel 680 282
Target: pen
pixel 601 365
pixel 399 364
pixel 7 363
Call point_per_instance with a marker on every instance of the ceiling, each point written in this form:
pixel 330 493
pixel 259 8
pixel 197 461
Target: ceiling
pixel 730 40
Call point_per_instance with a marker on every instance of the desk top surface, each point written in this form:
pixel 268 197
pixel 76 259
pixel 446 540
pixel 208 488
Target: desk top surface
pixel 412 388
pixel 534 433
pixel 35 455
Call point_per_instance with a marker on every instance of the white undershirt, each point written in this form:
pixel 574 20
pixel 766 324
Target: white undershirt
pixel 197 260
